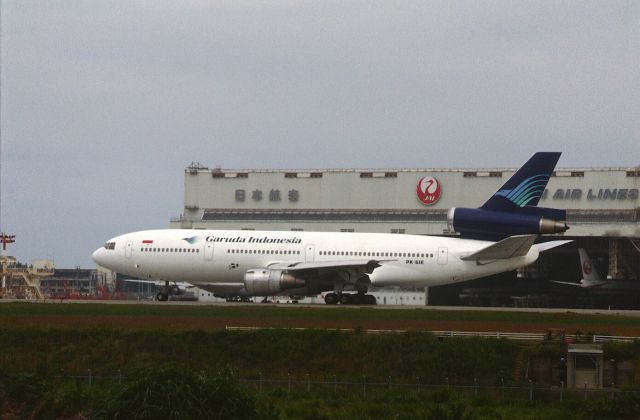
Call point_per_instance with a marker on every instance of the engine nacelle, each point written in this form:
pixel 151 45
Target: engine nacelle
pixel 530 221
pixel 262 281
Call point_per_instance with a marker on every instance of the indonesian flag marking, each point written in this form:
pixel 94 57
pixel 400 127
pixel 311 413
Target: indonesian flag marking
pixel 147 241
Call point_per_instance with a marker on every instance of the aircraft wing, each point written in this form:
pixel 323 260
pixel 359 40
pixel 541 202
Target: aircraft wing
pixel 350 272
pixel 365 265
pixel 161 283
pixel 583 284
pixel 513 246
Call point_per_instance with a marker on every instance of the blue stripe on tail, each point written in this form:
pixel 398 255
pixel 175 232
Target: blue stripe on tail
pixel 526 186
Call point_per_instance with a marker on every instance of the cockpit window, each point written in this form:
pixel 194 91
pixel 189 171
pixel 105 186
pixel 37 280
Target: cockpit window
pixel 110 245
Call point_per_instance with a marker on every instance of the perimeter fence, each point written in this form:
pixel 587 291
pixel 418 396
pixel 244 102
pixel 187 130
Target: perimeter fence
pixel 582 338
pixel 297 384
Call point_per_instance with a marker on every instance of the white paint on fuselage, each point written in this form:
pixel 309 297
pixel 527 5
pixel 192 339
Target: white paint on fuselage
pixel 425 260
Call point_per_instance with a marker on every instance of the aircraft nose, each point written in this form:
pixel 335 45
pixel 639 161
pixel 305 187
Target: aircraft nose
pixel 98 256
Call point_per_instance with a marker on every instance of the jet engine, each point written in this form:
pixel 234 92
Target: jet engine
pixel 490 223
pixel 262 281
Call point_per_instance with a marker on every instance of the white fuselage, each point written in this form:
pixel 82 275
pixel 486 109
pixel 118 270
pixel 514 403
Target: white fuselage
pixel 223 256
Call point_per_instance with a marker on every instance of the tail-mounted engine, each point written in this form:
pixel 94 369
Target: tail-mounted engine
pixel 527 221
pixel 261 281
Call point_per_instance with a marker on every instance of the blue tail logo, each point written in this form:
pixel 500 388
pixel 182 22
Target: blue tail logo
pixel 531 189
pixel 526 186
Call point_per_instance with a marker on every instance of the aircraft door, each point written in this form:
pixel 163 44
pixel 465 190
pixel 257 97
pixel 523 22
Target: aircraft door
pixel 310 253
pixel 128 248
pixel 443 254
pixel 208 251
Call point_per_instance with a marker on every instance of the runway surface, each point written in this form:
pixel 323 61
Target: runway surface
pixel 627 313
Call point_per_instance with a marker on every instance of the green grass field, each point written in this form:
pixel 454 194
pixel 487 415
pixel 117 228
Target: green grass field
pixel 18 315
pixel 48 350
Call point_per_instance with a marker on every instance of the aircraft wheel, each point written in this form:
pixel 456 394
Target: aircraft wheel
pixel 330 298
pixel 162 297
pixel 370 299
pixel 346 299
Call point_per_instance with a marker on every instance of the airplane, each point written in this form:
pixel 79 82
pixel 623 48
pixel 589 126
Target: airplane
pixel 499 236
pixel 591 278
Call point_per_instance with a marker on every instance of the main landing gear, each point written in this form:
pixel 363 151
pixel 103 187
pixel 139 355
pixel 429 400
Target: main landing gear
pixel 349 299
pixel 163 294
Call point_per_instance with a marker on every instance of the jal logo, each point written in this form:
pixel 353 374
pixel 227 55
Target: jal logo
pixel 428 190
pixel 587 267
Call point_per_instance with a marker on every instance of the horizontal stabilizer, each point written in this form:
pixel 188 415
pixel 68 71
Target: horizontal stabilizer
pixel 513 246
pixel 551 244
pixel 568 283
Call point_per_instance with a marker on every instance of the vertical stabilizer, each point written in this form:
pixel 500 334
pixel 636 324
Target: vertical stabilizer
pixel 513 209
pixel 590 276
pixel 526 186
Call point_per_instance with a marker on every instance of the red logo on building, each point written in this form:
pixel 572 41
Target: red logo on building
pixel 428 190
pixel 587 267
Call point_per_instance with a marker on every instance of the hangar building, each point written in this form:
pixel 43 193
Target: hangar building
pixel 603 205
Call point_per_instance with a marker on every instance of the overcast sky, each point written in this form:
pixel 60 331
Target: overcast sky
pixel 104 103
